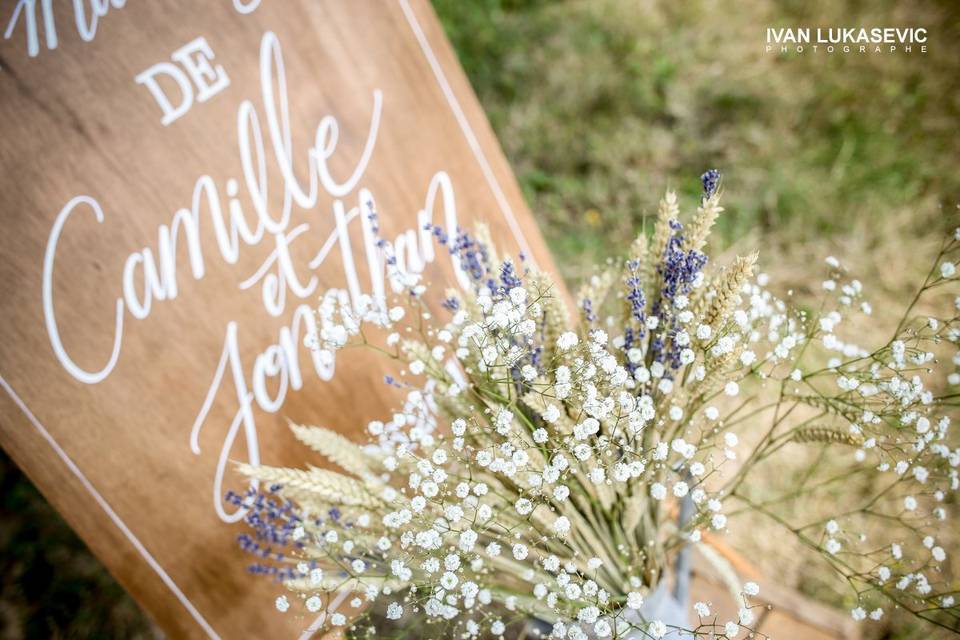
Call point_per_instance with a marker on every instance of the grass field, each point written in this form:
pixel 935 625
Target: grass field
pixel 602 105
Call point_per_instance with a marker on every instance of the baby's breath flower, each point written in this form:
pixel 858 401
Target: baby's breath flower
pixel 657 629
pixel 658 491
pixel 533 458
pixel 567 341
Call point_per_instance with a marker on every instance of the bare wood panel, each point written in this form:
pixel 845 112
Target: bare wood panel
pixel 115 455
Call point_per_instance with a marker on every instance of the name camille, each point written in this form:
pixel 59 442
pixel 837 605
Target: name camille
pixel 847 39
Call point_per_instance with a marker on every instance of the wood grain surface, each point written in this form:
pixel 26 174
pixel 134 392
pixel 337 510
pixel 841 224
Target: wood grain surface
pixel 113 452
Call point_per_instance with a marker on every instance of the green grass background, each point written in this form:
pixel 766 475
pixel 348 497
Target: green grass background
pixel 600 106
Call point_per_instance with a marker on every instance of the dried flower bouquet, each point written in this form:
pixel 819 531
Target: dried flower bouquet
pixel 537 466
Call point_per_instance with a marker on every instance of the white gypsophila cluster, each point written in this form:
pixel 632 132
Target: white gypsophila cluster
pixel 535 467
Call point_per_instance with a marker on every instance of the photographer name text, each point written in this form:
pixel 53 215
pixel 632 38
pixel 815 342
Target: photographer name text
pixel 846 40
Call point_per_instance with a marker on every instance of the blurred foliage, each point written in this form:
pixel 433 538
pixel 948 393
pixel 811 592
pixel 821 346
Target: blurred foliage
pixel 600 106
pixel 51 586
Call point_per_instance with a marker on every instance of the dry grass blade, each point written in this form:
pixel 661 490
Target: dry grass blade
pixel 338 449
pixel 699 230
pixel 340 583
pixel 669 210
pixel 728 289
pixel 826 435
pixel 313 485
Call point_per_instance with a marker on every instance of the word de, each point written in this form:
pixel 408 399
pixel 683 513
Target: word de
pixel 195 58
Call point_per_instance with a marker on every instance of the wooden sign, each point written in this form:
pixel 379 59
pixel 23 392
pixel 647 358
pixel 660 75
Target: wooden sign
pixel 182 182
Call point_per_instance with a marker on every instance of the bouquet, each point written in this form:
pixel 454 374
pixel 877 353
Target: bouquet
pixel 560 471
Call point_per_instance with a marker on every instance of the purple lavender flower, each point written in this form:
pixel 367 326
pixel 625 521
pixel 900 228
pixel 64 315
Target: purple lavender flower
pixel 474 258
pixel 677 269
pixel 273 521
pixel 638 305
pixel 635 296
pixel 710 181
pixel 374 219
pixel 393 382
pixel 587 306
pixel 508 276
